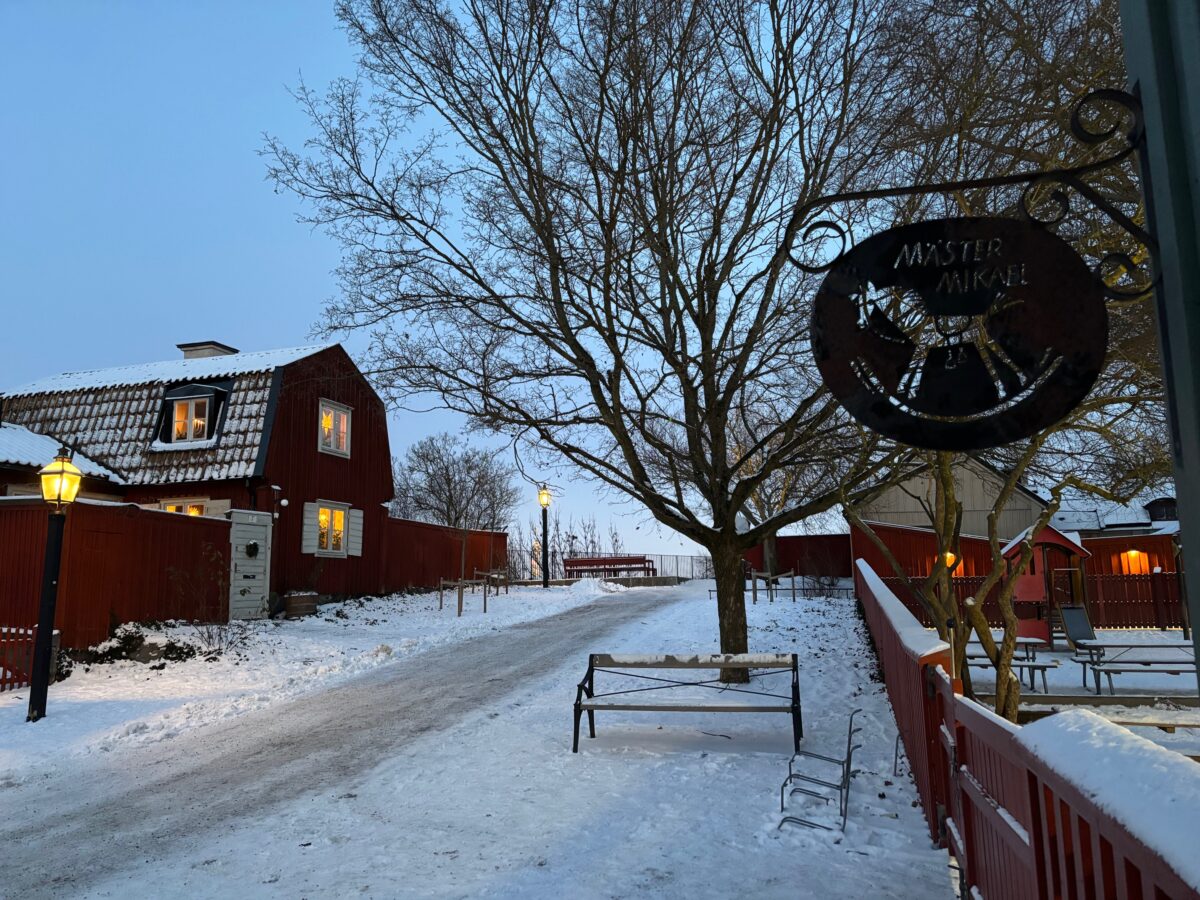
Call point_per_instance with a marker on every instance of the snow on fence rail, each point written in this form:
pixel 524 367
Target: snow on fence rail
pixel 1055 809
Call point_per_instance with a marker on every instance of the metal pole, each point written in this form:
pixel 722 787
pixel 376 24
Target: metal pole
pixel 545 547
pixel 1160 56
pixel 39 681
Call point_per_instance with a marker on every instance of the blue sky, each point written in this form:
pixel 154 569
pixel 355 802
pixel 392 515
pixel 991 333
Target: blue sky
pixel 134 213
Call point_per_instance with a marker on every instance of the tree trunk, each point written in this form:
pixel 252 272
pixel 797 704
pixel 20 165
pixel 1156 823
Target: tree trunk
pixel 771 555
pixel 731 607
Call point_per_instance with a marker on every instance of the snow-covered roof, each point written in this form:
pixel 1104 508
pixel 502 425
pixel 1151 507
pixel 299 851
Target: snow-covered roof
pixel 1071 537
pixel 21 447
pixel 169 371
pixel 1098 515
pixel 112 415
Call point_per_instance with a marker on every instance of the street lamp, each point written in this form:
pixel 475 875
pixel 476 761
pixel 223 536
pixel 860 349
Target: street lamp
pixel 60 485
pixel 544 499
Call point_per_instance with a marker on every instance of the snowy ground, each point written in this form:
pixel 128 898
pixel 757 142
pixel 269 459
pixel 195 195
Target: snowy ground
pixel 493 803
pixel 108 707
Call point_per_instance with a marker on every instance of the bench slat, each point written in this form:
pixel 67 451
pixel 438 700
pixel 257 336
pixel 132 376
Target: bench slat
pixel 706 661
pixel 682 707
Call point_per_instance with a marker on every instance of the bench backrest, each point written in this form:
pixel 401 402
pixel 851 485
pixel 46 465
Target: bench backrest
pixel 699 661
pixel 1076 624
pixel 606 561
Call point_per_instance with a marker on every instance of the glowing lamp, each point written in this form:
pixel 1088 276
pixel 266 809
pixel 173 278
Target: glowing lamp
pixel 544 496
pixel 60 480
pixel 950 559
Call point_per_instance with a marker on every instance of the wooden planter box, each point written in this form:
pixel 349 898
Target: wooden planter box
pixel 297 604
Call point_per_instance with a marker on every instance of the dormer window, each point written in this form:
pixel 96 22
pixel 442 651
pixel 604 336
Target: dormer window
pixel 191 417
pixel 190 422
pixel 333 428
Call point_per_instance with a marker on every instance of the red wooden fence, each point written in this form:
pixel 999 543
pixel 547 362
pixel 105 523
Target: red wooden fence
pixel 1135 601
pixel 1017 821
pixel 16 657
pixel 819 555
pixel 119 564
pixel 418 554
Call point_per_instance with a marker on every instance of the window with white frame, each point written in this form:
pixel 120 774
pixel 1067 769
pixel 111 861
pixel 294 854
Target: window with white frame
pixel 332 529
pixel 187 507
pixel 333 433
pixel 189 419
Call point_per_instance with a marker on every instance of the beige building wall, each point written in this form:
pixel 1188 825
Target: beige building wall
pixel 977 488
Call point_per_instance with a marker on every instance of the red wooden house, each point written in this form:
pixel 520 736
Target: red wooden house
pixel 297 435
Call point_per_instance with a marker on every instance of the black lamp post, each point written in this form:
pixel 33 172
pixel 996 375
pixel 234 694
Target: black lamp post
pixel 544 499
pixel 60 485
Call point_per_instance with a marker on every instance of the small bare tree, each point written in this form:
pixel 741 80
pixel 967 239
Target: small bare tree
pixel 447 482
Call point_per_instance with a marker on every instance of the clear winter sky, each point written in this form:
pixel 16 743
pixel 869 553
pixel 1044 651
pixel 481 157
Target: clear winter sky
pixel 134 213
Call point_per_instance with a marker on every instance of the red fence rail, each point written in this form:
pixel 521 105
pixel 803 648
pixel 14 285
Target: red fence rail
pixel 1015 816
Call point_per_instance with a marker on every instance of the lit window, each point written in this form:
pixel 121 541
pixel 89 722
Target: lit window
pixel 186 507
pixel 331 530
pixel 334 430
pixel 190 420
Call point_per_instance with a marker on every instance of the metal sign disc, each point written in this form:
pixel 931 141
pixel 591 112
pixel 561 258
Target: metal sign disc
pixel 960 334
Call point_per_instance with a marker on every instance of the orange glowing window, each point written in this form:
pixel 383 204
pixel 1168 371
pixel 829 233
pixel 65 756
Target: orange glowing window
pixel 189 420
pixel 331 530
pixel 1135 562
pixel 333 434
pixel 186 507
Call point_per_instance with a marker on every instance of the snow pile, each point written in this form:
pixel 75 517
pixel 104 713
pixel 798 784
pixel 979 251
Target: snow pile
pixel 915 636
pixel 1153 792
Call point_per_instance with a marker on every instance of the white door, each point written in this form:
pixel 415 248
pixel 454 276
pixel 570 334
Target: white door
pixel 250 564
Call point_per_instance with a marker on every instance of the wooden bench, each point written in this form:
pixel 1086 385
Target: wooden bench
pixel 608 566
pixel 1024 666
pixel 1135 667
pixel 631 666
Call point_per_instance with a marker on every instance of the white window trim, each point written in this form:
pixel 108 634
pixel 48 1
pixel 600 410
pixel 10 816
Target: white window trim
pixel 331 506
pixel 191 402
pixel 349 413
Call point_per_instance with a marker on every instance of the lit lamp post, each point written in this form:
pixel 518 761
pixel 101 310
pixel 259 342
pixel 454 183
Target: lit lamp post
pixel 544 499
pixel 60 485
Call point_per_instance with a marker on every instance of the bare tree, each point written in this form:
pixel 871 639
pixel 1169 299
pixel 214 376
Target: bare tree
pixel 447 482
pixel 992 86
pixel 587 248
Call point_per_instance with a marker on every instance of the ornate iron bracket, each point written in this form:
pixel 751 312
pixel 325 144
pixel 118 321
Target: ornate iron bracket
pixel 1045 200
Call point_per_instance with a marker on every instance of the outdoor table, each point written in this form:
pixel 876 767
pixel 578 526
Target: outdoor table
pixel 1097 652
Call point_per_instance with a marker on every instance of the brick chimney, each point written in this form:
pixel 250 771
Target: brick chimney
pixel 201 349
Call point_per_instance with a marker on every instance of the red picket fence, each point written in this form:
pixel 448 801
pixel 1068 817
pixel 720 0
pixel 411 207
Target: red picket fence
pixel 16 657
pixel 1016 822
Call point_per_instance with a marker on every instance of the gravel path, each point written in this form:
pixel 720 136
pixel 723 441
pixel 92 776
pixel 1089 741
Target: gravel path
pixel 70 831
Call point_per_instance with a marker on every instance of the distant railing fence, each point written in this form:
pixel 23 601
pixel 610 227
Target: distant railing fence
pixel 526 563
pixel 1070 806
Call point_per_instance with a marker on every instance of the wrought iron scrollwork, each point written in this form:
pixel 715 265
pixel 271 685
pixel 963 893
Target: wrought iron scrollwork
pixel 1046 198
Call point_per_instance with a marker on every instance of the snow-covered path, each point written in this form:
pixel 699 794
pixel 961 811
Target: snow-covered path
pixel 449 774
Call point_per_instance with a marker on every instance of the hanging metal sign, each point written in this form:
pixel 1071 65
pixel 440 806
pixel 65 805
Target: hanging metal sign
pixel 960 334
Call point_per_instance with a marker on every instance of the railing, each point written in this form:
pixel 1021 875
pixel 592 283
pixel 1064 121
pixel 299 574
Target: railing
pixel 906 650
pixel 526 563
pixel 1060 808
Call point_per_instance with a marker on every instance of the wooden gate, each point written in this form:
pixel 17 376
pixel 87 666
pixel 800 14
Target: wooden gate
pixel 249 564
